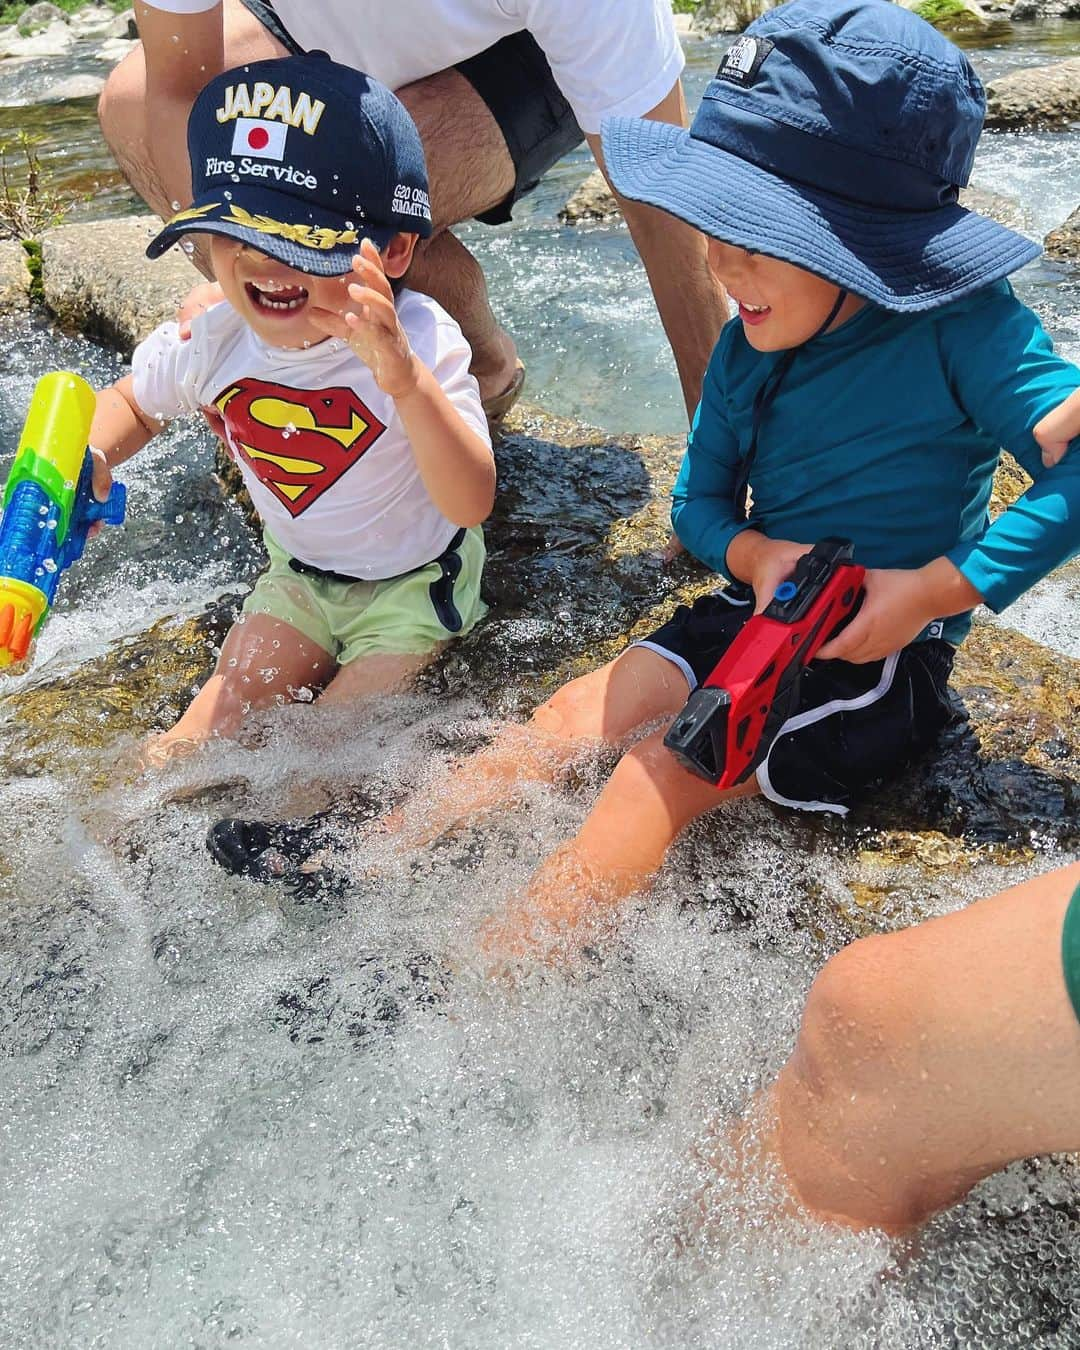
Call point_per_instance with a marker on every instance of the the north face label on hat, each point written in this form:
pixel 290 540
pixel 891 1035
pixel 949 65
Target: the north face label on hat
pixel 253 136
pixel 743 60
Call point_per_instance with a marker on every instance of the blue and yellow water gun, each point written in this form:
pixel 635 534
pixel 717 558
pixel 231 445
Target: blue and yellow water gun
pixel 48 508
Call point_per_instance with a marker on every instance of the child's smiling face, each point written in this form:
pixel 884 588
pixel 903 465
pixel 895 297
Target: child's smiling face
pixel 276 300
pixel 780 305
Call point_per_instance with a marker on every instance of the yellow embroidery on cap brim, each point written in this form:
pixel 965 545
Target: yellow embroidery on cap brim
pixel 194 213
pixel 309 236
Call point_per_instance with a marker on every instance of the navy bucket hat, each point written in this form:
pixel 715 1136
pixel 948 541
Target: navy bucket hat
pixel 303 159
pixel 835 136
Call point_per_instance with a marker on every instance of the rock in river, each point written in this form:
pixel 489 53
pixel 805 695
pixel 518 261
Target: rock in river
pixel 1036 96
pixel 98 281
pixel 1064 242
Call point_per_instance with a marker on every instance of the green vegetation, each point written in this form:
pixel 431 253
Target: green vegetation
pixel 12 10
pixel 33 266
pixel 940 12
pixel 29 205
pixel 684 6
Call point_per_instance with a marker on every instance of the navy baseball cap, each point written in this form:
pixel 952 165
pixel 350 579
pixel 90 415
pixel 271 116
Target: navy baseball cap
pixel 303 159
pixel 835 136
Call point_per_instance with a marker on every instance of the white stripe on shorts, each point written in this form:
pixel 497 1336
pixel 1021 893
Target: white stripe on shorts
pixel 673 657
pixel 812 715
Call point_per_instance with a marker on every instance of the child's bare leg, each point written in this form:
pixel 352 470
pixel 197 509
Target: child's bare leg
pixel 604 706
pixel 647 803
pixel 931 1058
pixel 370 676
pixel 262 663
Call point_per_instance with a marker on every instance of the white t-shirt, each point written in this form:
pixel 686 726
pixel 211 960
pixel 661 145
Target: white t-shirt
pixel 321 447
pixel 610 58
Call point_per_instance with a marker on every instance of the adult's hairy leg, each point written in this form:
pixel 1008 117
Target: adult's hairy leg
pixel 162 178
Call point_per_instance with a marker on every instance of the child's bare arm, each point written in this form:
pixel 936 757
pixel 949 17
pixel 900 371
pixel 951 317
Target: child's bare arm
pixel 120 427
pixel 1057 429
pixel 455 462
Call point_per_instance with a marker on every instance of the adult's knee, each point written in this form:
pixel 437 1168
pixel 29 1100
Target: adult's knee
pixel 122 102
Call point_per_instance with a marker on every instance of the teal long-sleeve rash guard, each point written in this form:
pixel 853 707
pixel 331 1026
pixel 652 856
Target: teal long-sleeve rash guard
pixel 887 432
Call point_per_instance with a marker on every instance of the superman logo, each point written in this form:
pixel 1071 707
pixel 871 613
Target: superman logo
pixel 298 442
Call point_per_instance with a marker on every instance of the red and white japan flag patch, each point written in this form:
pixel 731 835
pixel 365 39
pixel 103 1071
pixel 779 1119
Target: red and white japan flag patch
pixel 265 140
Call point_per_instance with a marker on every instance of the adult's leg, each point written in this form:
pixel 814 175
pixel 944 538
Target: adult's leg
pixel 931 1058
pixel 262 663
pixel 122 107
pixel 445 269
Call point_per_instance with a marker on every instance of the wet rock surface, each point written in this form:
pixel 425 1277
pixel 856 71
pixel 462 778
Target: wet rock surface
pixel 1030 10
pixel 14 277
pixel 592 200
pixel 99 282
pixel 1064 242
pixel 40 16
pixel 53 39
pixel 1036 96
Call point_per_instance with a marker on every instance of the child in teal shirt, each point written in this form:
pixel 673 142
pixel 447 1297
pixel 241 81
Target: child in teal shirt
pixel 878 362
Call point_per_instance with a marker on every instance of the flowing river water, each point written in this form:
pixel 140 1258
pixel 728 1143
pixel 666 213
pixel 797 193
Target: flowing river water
pixel 233 1115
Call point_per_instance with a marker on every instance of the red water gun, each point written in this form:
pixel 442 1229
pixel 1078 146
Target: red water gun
pixel 731 721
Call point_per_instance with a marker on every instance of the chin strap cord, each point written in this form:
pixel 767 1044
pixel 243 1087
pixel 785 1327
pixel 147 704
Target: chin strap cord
pixel 767 393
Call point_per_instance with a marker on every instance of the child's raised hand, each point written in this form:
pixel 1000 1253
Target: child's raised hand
pixel 1057 429
pixel 368 322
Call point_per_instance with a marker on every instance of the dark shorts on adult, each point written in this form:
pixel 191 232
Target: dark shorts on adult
pixel 515 81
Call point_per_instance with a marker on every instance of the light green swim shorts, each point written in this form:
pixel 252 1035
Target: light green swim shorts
pixel 413 613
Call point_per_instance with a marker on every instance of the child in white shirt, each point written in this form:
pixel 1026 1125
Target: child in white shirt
pixel 349 409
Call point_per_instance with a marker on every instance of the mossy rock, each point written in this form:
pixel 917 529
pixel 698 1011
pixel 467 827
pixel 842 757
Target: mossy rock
pixel 139 685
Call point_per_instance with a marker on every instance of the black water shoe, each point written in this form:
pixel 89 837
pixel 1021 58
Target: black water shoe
pixel 267 852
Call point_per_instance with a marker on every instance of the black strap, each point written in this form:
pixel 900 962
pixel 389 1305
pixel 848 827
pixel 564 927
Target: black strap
pixel 324 574
pixel 764 398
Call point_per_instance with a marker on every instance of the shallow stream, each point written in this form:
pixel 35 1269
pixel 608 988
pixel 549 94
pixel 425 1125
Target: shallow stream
pixel 232 1115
